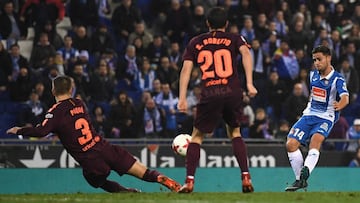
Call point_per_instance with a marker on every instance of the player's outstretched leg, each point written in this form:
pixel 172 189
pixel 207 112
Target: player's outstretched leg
pixel 246 183
pixel 188 187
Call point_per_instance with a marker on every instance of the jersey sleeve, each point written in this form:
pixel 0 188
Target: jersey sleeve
pixel 189 52
pixel 341 87
pixel 241 41
pixel 48 125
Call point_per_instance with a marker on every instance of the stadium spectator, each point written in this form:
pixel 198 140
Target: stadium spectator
pixel 84 13
pixel 11 27
pixel 352 56
pixel 101 84
pixel 351 77
pixel 260 70
pixel 354 35
pixel 21 87
pixel 298 37
pixel 356 161
pixel 59 63
pixel 36 13
pixel 6 68
pixel 100 122
pixel 248 30
pixel 139 47
pixel 156 49
pixel 81 80
pixel 281 27
pixel 285 63
pixel 270 45
pixel 198 20
pixel 17 59
pixel 261 127
pixel 276 91
pixel 175 55
pixel 152 120
pixel 282 131
pixel 303 60
pixel 177 25
pixel 238 13
pixel 123 21
pixel 101 40
pixel 304 80
pixel 141 32
pixel 166 73
pixel 261 27
pixel 84 60
pixel 354 135
pixel 40 54
pixel 128 68
pixel 146 76
pixel 81 40
pixel 122 117
pixel 156 88
pixel 167 102
pixel 69 53
pixel 54 38
pixel 33 112
pixel 294 104
pixel 340 132
pixel 337 46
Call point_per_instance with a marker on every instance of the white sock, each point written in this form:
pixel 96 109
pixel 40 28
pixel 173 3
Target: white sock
pixel 296 161
pixel 312 159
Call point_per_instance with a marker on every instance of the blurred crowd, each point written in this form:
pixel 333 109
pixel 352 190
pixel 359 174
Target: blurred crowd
pixel 125 57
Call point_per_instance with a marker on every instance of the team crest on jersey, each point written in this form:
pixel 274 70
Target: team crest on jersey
pixel 319 94
pixel 49 115
pixel 324 127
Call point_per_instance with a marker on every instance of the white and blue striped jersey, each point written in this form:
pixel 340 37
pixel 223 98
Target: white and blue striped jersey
pixel 324 91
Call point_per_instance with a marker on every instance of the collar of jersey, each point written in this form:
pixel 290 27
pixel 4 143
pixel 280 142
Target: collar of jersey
pixel 328 75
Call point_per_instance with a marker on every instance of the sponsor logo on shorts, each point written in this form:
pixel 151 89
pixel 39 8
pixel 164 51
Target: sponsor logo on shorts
pixel 324 127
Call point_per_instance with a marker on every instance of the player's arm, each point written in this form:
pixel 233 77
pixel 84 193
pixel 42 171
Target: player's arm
pixel 41 130
pixel 344 95
pixel 183 84
pixel 248 64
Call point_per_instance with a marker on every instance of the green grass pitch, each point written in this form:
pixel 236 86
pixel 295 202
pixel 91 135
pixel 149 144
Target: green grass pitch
pixel 162 197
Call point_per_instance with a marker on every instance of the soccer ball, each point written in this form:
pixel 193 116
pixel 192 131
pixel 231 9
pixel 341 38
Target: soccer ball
pixel 181 143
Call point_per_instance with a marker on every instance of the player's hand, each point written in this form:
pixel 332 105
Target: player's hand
pixel 337 106
pixel 13 130
pixel 251 90
pixel 182 106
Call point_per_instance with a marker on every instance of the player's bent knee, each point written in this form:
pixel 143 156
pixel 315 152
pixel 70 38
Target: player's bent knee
pixel 292 145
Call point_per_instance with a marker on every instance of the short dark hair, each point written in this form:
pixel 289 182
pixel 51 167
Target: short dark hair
pixel 217 17
pixel 62 85
pixel 322 49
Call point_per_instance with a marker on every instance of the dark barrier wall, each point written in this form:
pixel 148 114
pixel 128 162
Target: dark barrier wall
pixel 212 156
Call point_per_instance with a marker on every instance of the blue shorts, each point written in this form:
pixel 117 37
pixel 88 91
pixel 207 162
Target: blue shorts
pixel 307 126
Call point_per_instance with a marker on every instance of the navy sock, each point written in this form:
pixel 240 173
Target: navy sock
pixel 239 150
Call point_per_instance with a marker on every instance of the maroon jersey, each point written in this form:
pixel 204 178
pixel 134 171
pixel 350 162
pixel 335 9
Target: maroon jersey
pixel 71 122
pixel 216 54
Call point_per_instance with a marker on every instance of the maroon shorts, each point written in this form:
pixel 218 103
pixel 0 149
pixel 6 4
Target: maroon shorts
pixel 111 157
pixel 211 111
